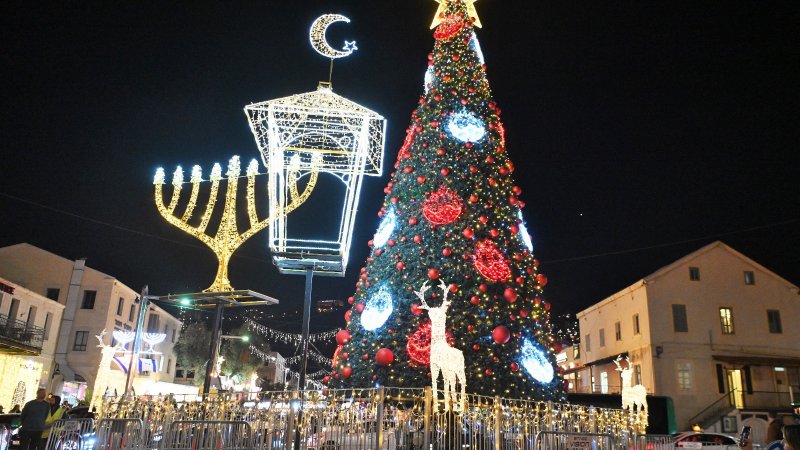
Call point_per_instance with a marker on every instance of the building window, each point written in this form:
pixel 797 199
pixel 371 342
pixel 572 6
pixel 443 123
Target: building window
pixel 694 273
pixel 684 376
pixel 726 320
pixel 81 339
pixel 635 324
pixel 48 322
pixel 774 320
pixel 131 313
pixel 588 343
pixel 120 306
pixel 749 277
pixel 152 324
pixel 173 334
pixel 169 365
pixel 637 374
pixel 602 337
pixel 604 382
pixel 52 293
pixel 618 331
pixel 679 322
pixel 88 299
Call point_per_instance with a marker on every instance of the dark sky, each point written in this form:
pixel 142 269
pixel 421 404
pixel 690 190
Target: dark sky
pixel 640 130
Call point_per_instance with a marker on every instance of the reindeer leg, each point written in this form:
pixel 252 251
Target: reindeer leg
pixel 434 381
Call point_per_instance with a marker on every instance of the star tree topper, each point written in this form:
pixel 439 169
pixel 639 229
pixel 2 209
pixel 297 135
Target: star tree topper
pixel 473 14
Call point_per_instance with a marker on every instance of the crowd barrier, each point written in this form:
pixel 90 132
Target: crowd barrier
pixel 375 419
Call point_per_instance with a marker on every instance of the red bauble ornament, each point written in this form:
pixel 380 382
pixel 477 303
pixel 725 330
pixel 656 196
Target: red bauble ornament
pixel 449 27
pixel 418 347
pixel 347 315
pixel 468 233
pixel 514 367
pixel 501 334
pixel 359 308
pixel 326 379
pixel 541 279
pixel 488 372
pixel 401 265
pixel 510 295
pixel 420 179
pixel 351 300
pixel 384 357
pixel 490 262
pixel 433 273
pixel 446 252
pixel 442 207
pixel 412 221
pixel 346 372
pixel 342 337
pixel 415 310
pixel 474 300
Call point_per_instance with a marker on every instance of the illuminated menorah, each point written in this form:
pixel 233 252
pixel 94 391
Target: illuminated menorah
pixel 227 238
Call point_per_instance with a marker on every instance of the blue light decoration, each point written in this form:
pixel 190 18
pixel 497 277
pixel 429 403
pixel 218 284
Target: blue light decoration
pixel 377 310
pixel 535 362
pixel 476 47
pixel 428 78
pixel 385 229
pixel 523 233
pixel 466 127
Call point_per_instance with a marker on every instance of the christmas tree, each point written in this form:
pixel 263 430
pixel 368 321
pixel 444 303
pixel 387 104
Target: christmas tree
pixel 451 235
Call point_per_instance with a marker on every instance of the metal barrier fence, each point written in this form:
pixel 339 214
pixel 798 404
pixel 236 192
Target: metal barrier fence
pixel 207 435
pixel 653 442
pixel 71 434
pixel 382 418
pixel 119 434
pixel 560 440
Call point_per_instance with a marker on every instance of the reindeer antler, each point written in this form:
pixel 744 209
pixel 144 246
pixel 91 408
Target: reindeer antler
pixel 445 291
pixel 421 295
pixel 616 361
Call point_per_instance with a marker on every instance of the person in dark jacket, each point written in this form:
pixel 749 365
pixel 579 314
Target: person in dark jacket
pixel 774 428
pixel 33 416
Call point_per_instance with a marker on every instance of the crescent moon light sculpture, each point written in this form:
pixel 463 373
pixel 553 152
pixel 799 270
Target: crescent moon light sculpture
pixel 319 41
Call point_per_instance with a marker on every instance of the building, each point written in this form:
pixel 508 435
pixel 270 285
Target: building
pixel 92 302
pixel 29 325
pixel 708 331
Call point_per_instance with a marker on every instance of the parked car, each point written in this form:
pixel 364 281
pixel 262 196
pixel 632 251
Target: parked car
pixel 705 441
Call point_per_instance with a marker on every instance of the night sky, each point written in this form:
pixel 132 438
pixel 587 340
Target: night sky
pixel 640 130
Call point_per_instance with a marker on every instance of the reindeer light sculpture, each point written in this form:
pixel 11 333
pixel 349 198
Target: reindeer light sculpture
pixel 444 358
pixel 631 395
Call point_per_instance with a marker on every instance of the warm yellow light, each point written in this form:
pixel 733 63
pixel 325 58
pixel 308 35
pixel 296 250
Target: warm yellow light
pixel 227 238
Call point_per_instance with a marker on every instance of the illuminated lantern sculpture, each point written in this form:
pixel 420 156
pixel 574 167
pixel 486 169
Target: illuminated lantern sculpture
pixel 316 132
pixel 321 132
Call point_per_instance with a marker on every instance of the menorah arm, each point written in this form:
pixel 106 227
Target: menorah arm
pixel 212 200
pixel 192 201
pixel 166 213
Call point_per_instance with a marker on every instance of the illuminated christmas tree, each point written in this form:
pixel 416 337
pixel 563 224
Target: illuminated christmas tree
pixel 452 215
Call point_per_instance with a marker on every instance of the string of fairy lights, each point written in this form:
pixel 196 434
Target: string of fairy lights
pixel 288 338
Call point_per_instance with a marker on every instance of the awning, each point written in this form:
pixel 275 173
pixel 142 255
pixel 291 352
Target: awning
pixel 775 361
pixel 606 360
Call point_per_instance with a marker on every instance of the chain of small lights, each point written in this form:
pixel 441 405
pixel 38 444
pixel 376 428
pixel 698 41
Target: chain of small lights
pixel 227 238
pixel 288 338
pixel 264 356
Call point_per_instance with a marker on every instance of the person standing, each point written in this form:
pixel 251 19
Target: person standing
pixel 774 427
pixel 33 416
pixel 55 412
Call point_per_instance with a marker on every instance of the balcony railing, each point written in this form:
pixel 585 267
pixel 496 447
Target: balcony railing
pixel 17 336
